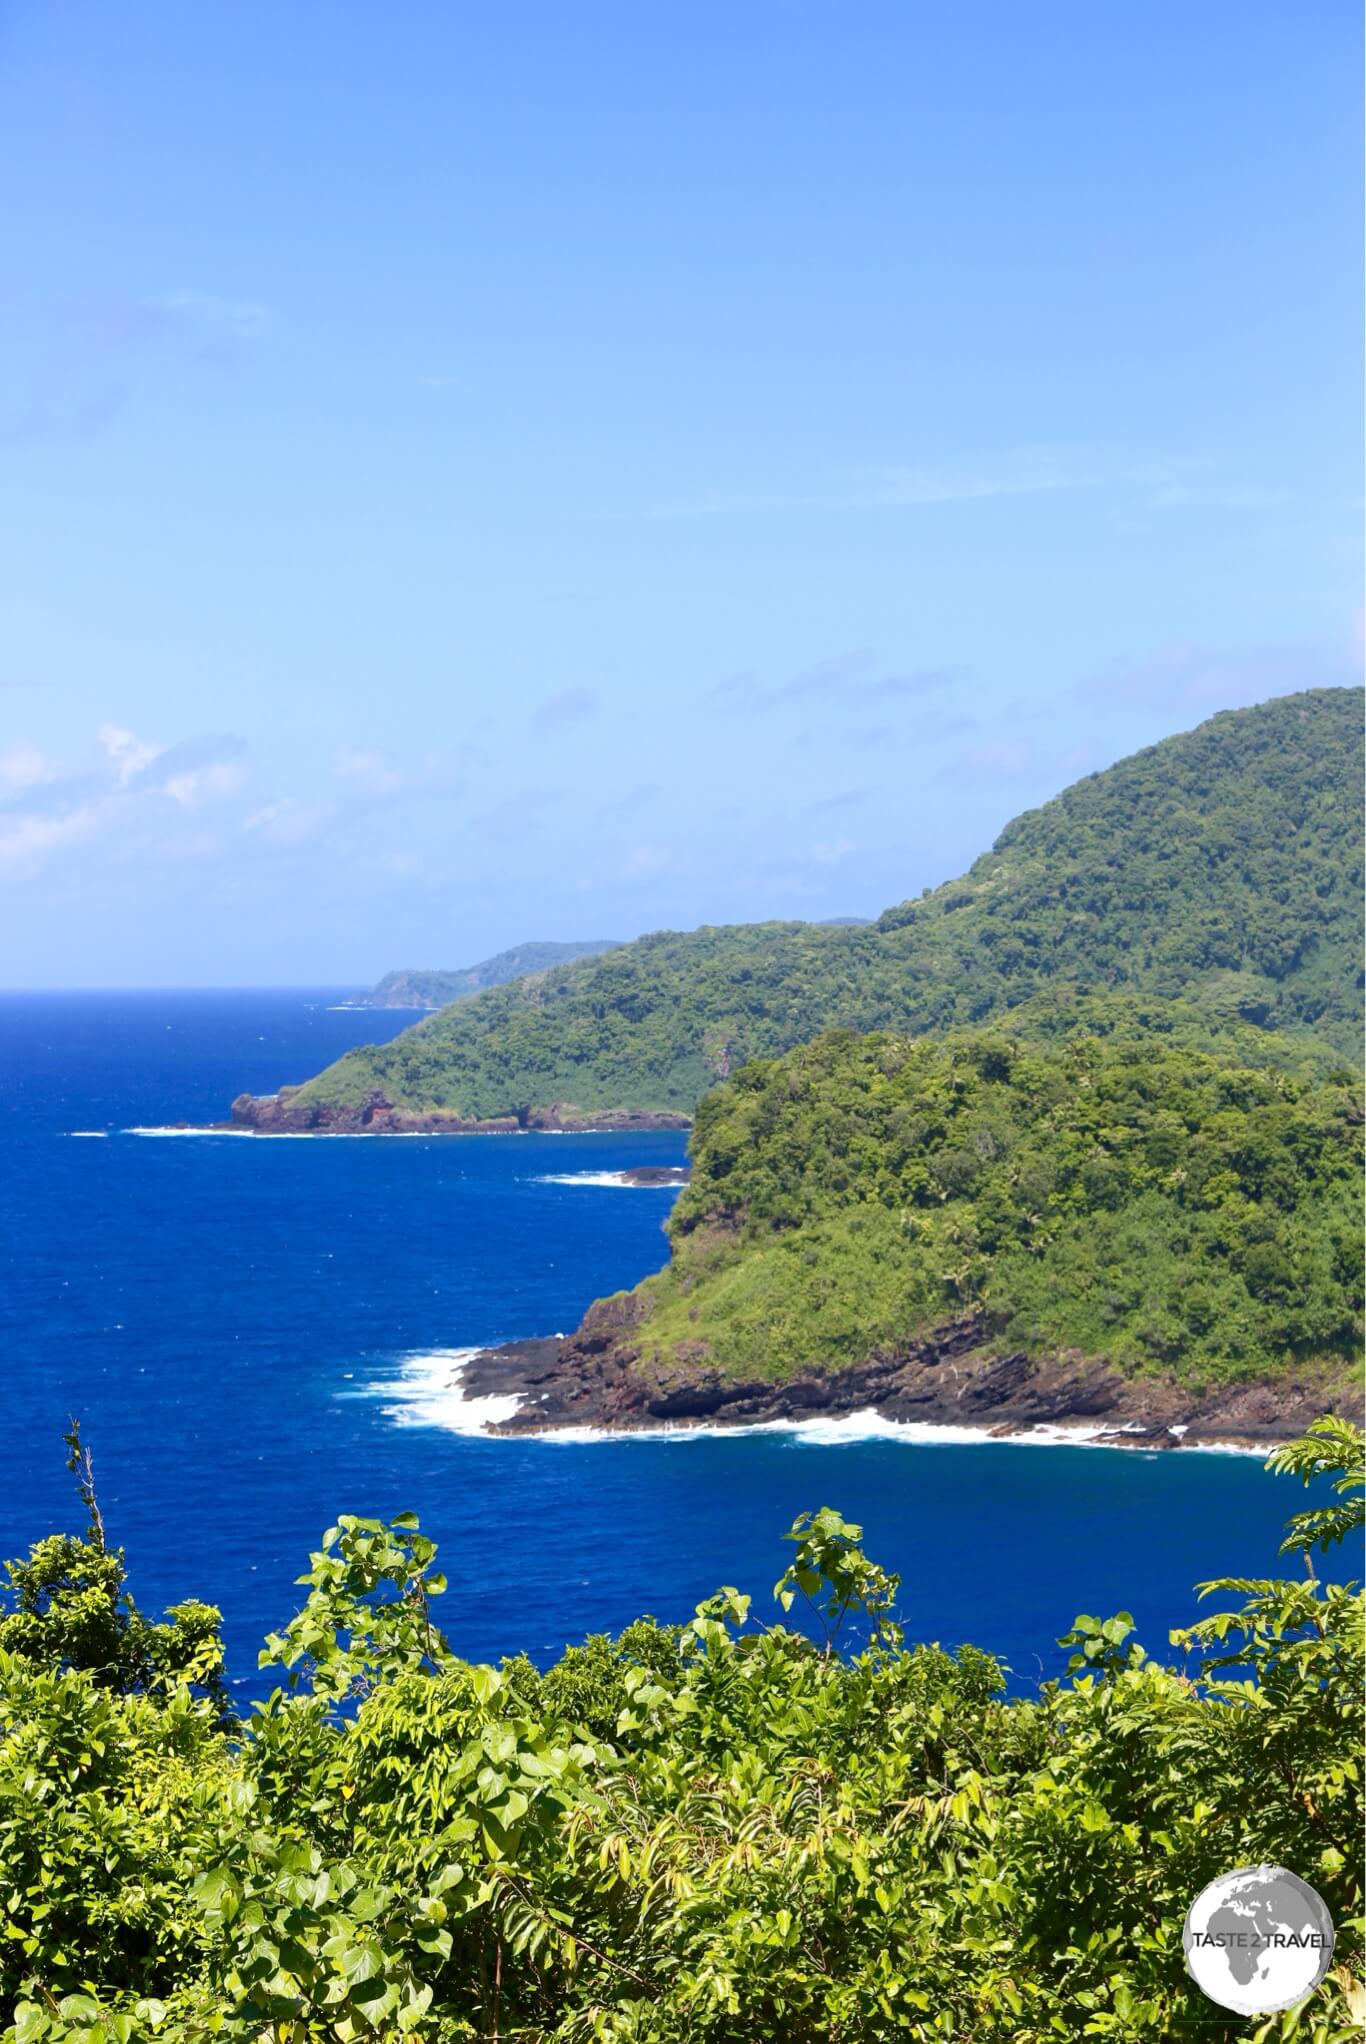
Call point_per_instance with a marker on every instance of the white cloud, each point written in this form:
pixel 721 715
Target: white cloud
pixel 290 821
pixel 126 752
pixel 830 851
pixel 27 839
pixel 1165 479
pixel 233 319
pixel 23 766
pixel 373 771
pixel 568 706
pixel 133 800
pixel 198 785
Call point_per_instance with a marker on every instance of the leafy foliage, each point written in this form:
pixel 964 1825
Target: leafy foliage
pixel 835 1576
pixel 1222 867
pixel 1332 1448
pixel 716 1832
pixel 1116 1194
pixel 70 1610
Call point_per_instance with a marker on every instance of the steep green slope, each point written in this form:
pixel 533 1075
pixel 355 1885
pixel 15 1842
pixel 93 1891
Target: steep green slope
pixel 418 989
pixel 1222 865
pixel 1119 1195
pixel 1228 860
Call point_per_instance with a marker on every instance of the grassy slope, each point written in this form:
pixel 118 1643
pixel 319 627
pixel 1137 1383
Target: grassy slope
pixel 1222 865
pixel 1123 1195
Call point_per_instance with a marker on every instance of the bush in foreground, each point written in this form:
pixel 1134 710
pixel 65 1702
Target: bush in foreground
pixel 723 1831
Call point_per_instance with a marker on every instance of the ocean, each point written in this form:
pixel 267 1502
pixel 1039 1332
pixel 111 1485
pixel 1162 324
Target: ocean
pixel 254 1334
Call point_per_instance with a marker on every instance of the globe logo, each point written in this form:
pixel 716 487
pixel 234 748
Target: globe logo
pixel 1257 1940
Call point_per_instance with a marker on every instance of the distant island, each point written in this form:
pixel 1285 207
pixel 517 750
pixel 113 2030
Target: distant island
pixel 437 989
pixel 1221 867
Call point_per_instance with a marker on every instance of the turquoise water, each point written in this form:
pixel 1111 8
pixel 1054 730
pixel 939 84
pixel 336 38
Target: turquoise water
pixel 246 1330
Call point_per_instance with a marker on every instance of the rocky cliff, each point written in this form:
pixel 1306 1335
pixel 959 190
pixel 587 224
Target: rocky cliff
pixel 598 1377
pixel 284 1113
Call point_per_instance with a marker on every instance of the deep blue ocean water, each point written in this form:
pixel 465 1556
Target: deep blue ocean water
pixel 241 1326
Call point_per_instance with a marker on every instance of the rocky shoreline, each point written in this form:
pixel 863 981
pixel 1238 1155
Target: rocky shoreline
pixel 598 1378
pixel 283 1113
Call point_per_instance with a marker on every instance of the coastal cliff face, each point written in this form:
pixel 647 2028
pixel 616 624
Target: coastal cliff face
pixel 286 1113
pixel 601 1377
pixel 1115 1231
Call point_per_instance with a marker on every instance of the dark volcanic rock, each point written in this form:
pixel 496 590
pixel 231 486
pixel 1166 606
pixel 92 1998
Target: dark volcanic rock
pixel 599 1377
pixel 283 1113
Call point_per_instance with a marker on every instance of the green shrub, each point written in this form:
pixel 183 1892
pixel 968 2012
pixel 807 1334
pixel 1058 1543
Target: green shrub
pixel 770 1840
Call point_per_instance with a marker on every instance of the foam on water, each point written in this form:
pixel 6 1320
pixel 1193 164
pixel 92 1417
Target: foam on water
pixel 618 1178
pixel 428 1393
pixel 851 1429
pixel 288 1135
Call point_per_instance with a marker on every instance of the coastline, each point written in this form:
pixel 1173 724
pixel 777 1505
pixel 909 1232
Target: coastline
pixel 594 1384
pixel 430 1391
pixel 282 1113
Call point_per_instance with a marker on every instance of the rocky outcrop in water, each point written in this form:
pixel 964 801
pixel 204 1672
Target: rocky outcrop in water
pixel 285 1113
pixel 600 1377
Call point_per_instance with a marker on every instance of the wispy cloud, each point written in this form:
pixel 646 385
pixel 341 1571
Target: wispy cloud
pixel 650 862
pixel 631 798
pixel 27 841
pixel 995 759
pixel 520 814
pixel 829 851
pixel 196 786
pixel 372 770
pixel 1200 679
pixel 24 766
pixel 209 316
pixel 126 752
pixel 1164 479
pixel 848 798
pixel 291 822
pixel 131 796
pixel 567 706
pixel 98 351
pixel 847 678
pixel 1214 497
pixel 48 414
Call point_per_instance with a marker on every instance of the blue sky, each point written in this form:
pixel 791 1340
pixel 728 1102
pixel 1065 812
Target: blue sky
pixel 475 474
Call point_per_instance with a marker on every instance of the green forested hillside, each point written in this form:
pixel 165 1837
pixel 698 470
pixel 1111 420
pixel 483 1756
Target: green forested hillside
pixel 1119 1195
pixel 1223 866
pixel 728 1831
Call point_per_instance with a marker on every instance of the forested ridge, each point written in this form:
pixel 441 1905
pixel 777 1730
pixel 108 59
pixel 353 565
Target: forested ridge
pixel 416 988
pixel 1112 1190
pixel 729 1831
pixel 1222 866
